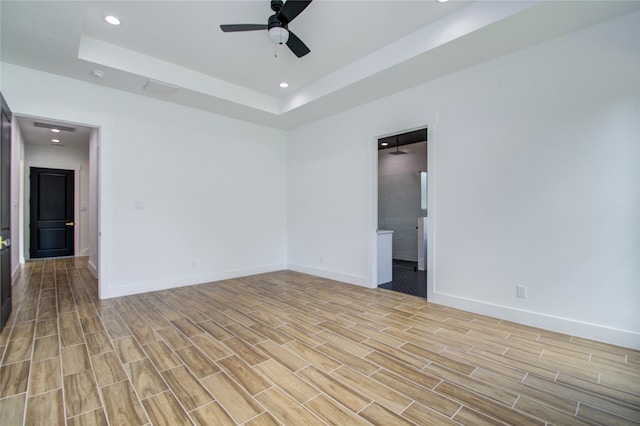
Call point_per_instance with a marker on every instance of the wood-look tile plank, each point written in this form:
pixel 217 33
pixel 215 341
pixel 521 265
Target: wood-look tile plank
pixel 383 395
pixel 425 396
pixel 377 414
pixel 128 349
pixel 81 393
pixel 545 412
pixel 287 381
pixel 469 417
pixel 264 419
pixel 145 378
pixel 98 343
pixel 174 338
pixel 14 378
pixel 108 369
pixel 46 327
pixel 187 388
pixel 425 415
pixel 199 364
pixel 285 409
pixel 91 324
pixel 236 401
pixel 17 350
pixel 164 410
pixel 215 330
pixel 212 414
pixel 23 330
pixel 91 418
pixel 350 398
pixel 45 347
pixel 212 348
pixel 45 409
pixel 347 358
pixel 122 405
pixel 333 413
pixel 70 336
pixel 45 376
pixel 485 405
pixel 282 355
pixel 75 359
pixel 161 356
pixel 516 387
pixel 244 375
pixel 499 394
pixel 597 401
pixel 12 409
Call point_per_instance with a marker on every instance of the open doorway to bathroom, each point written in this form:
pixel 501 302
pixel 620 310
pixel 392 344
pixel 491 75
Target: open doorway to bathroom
pixel 402 212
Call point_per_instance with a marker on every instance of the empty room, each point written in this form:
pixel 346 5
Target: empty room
pixel 206 207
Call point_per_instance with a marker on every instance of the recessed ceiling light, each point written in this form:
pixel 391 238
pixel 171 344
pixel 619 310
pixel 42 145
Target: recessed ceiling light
pixel 112 20
pixel 55 130
pixel 55 140
pixel 384 143
pixel 284 85
pixel 97 73
pixel 443 1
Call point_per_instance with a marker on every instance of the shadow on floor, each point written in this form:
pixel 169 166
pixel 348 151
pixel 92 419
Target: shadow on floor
pixel 407 279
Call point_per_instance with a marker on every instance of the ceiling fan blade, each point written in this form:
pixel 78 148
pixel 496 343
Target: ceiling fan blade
pixel 291 9
pixel 297 46
pixel 242 27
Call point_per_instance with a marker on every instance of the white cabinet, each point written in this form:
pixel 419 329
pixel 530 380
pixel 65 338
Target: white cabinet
pixel 385 244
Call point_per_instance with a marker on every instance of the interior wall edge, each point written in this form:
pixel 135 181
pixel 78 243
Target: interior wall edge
pixel 359 280
pixel 601 333
pixel 109 292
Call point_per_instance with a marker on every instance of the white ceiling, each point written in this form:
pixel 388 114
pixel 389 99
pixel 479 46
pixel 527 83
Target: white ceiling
pixel 77 138
pixel 360 50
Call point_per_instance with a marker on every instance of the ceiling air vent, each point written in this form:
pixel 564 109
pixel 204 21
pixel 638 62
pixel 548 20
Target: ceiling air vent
pixel 54 126
pixel 159 88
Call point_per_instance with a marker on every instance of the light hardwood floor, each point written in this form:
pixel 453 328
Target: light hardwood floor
pixel 288 348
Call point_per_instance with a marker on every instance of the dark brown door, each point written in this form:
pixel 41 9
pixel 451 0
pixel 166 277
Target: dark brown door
pixel 5 213
pixel 52 224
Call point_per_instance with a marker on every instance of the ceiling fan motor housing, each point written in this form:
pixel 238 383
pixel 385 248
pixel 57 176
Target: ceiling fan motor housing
pixel 278 32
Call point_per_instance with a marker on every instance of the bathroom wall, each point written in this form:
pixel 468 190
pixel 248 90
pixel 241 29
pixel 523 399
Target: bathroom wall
pixel 399 196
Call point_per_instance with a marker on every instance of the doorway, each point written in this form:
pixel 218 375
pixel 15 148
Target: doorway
pixel 402 208
pixel 52 218
pixel 56 145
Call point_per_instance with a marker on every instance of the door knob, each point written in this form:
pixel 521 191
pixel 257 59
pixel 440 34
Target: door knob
pixel 5 243
pixel 70 223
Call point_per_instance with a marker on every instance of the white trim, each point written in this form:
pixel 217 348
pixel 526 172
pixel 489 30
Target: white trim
pixel 360 280
pixel 600 333
pixel 149 286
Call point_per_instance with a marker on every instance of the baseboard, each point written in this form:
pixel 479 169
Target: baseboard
pixel 600 333
pixel 92 268
pixel 148 286
pixel 331 275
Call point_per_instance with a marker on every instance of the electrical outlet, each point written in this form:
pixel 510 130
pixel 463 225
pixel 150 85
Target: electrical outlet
pixel 521 291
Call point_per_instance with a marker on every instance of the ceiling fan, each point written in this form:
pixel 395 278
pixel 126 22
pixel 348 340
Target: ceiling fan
pixel 278 25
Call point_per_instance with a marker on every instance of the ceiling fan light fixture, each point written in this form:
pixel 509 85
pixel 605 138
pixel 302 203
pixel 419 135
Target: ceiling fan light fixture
pixel 278 35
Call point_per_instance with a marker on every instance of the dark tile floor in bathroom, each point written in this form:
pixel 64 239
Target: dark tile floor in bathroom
pixel 407 279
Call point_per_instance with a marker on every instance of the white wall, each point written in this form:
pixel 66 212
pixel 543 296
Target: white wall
pixel 534 179
pixel 66 158
pixel 211 189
